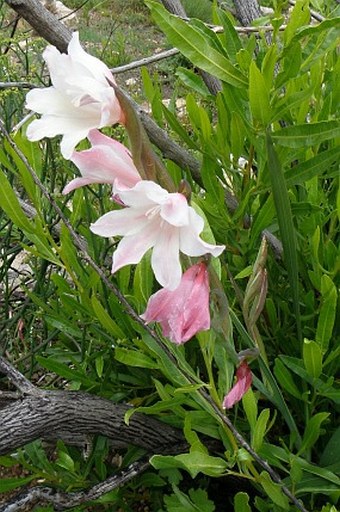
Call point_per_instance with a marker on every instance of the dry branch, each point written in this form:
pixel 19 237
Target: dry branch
pixel 63 500
pixel 74 417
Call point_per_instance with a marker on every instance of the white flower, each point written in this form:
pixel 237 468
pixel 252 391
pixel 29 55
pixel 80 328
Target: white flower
pixel 155 218
pixel 79 100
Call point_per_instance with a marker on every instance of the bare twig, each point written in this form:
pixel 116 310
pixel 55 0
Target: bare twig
pixel 64 501
pixel 16 85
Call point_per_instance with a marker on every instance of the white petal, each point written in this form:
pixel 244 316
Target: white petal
pixel 123 222
pixel 77 53
pixel 175 210
pixel 190 242
pixel 145 194
pixel 131 249
pixel 165 258
pixel 69 142
pixel 47 100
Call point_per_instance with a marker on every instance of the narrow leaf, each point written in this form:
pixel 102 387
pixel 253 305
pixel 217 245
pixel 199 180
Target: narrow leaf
pixel 258 96
pixel 308 134
pixel 195 46
pixel 10 204
pixel 327 313
pixel 312 358
pixel 285 220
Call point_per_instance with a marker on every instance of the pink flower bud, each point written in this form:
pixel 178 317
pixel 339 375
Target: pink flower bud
pixel 184 311
pixel 243 382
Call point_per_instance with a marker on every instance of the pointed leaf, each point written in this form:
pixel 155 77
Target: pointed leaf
pixel 195 46
pixel 285 220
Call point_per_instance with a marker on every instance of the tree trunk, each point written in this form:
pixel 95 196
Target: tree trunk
pixel 247 11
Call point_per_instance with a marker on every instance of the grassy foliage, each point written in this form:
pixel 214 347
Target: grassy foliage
pixel 271 137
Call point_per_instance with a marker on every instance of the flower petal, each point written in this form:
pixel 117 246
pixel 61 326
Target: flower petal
pixel 125 222
pixel 184 311
pixel 132 248
pixel 243 382
pixel 101 164
pixel 175 210
pixel 144 194
pixel 165 258
pixel 190 242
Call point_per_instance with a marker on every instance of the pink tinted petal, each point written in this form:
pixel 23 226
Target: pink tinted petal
pixel 165 258
pixel 99 139
pixel 131 249
pixel 76 183
pixel 103 165
pixel 243 383
pixel 184 311
pixel 159 304
pixel 120 223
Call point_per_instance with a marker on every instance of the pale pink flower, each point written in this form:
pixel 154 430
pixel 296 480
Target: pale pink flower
pixel 79 99
pixel 184 311
pixel 155 218
pixel 108 161
pixel 243 382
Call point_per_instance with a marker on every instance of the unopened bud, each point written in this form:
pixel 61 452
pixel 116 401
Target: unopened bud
pixel 185 189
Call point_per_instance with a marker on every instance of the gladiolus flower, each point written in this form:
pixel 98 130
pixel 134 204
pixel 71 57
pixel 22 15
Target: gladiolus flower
pixel 243 382
pixel 185 311
pixel 79 100
pixel 155 218
pixel 108 161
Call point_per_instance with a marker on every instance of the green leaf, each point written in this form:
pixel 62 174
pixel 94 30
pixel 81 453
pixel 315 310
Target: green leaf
pixel 193 81
pixel 312 358
pixel 64 371
pixel 260 429
pixel 134 358
pixel 315 166
pixel 285 379
pixel 308 134
pixel 104 318
pixel 274 491
pixel 263 218
pixel 327 313
pixel 313 431
pixel 241 502
pixel 250 408
pixel 178 128
pixel 258 96
pixel 195 46
pixel 7 484
pixel 330 454
pixel 298 17
pixel 10 204
pixel 232 42
pixel 197 462
pixel 99 363
pixel 285 220
pixel 65 461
